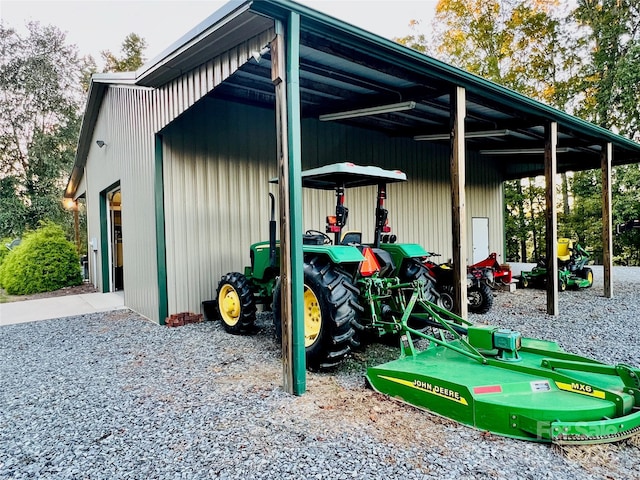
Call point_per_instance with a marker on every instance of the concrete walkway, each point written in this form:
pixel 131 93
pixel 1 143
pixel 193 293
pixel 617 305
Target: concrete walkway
pixel 58 307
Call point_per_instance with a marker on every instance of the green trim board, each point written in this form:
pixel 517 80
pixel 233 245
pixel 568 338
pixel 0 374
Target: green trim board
pixel 161 244
pixel 294 138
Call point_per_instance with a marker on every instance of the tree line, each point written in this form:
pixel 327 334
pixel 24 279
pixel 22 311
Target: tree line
pixel 43 87
pixel 582 57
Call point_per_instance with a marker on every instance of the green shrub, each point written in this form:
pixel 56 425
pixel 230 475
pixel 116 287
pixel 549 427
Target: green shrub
pixel 43 262
pixel 4 251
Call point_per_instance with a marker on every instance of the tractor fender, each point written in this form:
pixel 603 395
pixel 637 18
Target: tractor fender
pixel 336 253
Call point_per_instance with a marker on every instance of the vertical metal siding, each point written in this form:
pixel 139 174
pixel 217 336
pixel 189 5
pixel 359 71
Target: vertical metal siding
pixel 218 161
pixel 182 93
pixel 125 124
pixel 219 157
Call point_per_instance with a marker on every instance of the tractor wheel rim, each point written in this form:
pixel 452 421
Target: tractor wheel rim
pixel 590 277
pixel 474 298
pixel 312 317
pixel 229 302
pixel 445 301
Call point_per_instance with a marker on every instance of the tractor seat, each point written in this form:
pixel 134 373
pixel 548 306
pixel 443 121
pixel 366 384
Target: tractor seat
pixel 351 237
pixel 564 249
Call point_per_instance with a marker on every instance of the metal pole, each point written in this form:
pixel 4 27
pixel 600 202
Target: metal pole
pixel 285 76
pixel 458 200
pixel 607 238
pixel 550 169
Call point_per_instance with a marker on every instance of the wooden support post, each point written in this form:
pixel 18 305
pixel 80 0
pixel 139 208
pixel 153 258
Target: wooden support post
pixel 550 170
pixel 285 76
pixel 607 219
pixel 458 200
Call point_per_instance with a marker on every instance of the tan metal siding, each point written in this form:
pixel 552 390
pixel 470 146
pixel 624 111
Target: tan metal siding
pixel 217 164
pixel 125 124
pixel 182 93
pixel 218 160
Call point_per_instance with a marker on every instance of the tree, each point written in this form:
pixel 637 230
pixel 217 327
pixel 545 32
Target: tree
pixel 612 31
pixel 516 43
pixel 132 48
pixel 41 92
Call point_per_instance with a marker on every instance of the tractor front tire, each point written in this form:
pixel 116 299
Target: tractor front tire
pixel 562 285
pixel 524 281
pixel 480 298
pixel 330 308
pixel 236 305
pixel 445 300
pixel 587 274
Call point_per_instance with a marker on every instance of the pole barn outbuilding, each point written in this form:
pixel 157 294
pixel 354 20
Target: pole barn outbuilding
pixel 174 160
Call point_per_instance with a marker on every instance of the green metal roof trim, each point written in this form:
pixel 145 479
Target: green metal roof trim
pixel 429 66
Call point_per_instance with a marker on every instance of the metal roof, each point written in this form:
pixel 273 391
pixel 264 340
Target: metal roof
pixel 348 175
pixel 344 68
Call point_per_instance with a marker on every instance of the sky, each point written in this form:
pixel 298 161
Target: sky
pixel 98 25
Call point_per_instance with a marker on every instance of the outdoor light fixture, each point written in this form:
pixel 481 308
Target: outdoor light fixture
pixel 257 56
pixel 100 143
pixel 521 151
pixel 480 134
pixel 364 112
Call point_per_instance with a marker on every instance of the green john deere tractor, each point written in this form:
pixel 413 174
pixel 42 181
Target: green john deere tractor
pixel 483 376
pixel 347 283
pixel 572 268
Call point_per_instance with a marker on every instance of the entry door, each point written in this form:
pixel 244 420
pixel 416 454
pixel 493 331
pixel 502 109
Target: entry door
pixel 480 228
pixel 116 261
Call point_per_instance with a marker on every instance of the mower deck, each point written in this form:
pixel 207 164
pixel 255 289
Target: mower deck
pixel 583 402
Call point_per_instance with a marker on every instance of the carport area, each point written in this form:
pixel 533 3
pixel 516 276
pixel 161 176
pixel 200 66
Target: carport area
pixel 335 72
pixel 319 75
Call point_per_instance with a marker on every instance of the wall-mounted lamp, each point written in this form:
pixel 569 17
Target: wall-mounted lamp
pixel 257 56
pixel 100 143
pixel 364 112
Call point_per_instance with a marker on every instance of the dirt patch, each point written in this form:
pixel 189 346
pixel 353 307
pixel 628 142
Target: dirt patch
pixel 84 288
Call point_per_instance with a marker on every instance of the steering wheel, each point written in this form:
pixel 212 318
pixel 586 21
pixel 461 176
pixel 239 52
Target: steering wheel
pixel 326 238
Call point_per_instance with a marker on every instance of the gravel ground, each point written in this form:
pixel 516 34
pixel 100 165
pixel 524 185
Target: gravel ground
pixel 113 396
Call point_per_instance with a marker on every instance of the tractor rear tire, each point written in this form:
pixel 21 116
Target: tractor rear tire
pixel 235 303
pixel 330 308
pixel 480 298
pixel 413 269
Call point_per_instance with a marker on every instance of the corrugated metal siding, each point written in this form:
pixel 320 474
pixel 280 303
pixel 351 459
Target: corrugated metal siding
pixel 217 164
pixel 219 157
pixel 125 124
pixel 182 93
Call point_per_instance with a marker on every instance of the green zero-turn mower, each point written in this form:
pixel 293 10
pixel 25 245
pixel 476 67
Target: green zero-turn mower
pixel 572 268
pixel 483 376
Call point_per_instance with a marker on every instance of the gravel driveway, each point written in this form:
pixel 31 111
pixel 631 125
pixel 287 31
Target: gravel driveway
pixel 113 396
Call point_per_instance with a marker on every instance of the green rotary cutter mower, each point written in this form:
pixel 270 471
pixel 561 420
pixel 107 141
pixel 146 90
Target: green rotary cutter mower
pixel 495 380
pixel 572 268
pixel 483 376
